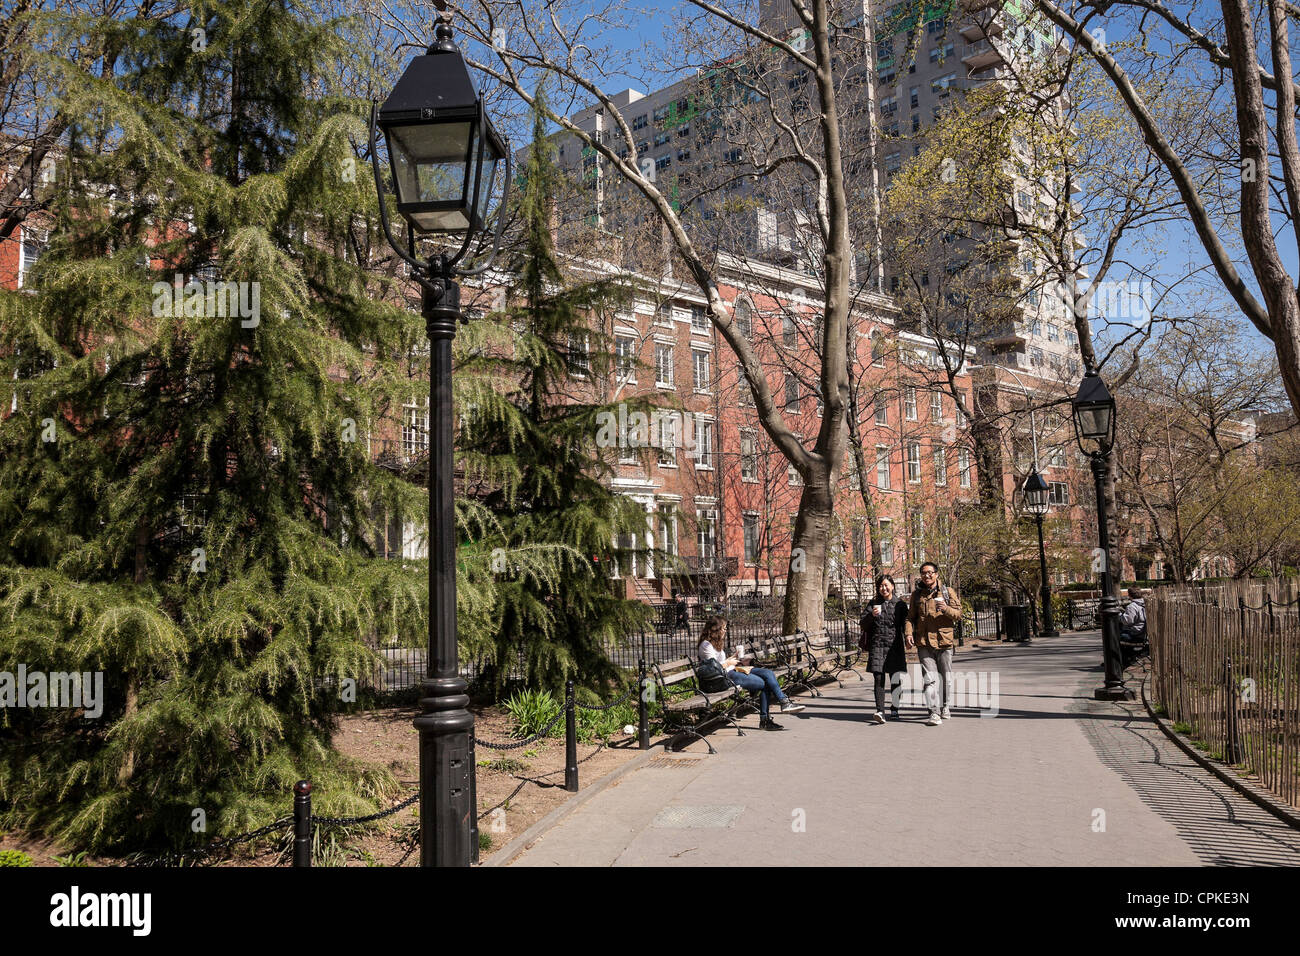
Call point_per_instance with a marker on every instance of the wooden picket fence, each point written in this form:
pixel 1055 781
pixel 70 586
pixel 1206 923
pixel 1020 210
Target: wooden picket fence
pixel 1225 661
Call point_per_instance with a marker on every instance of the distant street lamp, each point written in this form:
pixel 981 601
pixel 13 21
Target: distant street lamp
pixel 1037 504
pixel 1094 426
pixel 442 154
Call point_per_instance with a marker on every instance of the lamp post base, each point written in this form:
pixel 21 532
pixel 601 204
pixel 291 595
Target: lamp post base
pixel 1113 693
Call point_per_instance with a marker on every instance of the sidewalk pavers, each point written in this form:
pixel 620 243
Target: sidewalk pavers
pixel 1054 779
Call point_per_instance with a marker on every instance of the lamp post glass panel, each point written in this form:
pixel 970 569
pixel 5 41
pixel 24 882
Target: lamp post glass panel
pixel 1037 504
pixel 1094 425
pixel 443 154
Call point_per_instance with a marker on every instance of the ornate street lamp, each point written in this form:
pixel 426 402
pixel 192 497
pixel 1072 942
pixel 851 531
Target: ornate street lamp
pixel 1037 504
pixel 442 154
pixel 1094 426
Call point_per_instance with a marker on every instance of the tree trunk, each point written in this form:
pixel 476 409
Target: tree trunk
pixel 805 601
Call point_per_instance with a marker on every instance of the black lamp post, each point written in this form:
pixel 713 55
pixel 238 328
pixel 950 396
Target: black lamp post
pixel 443 154
pixel 1094 426
pixel 1036 503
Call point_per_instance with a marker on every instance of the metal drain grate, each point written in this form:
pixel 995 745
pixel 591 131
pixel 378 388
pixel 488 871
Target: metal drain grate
pixel 696 818
pixel 662 761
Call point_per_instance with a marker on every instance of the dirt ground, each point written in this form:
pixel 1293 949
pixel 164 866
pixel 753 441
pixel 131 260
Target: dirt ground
pixel 516 788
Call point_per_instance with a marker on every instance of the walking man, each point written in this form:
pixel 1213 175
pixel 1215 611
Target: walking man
pixel 932 614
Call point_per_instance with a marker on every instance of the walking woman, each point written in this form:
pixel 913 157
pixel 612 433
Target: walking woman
pixel 884 628
pixel 713 648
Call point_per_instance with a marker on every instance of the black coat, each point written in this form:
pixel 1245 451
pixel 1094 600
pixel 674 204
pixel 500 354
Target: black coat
pixel 882 637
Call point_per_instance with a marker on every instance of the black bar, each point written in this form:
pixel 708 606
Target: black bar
pixel 642 710
pixel 302 823
pixel 445 724
pixel 570 740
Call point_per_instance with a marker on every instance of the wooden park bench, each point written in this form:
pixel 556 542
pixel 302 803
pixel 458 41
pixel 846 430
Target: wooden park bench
pixel 685 713
pixel 828 660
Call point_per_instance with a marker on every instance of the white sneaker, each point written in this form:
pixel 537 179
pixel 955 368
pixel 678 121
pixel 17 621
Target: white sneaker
pixel 878 717
pixel 946 714
pixel 790 707
pixel 934 721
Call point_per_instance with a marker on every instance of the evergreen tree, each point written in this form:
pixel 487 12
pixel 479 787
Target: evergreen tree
pixel 187 500
pixel 531 443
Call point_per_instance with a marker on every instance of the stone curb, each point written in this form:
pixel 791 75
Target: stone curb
pixel 507 853
pixel 1262 798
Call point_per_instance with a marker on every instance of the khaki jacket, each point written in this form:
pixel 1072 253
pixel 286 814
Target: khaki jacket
pixel 926 624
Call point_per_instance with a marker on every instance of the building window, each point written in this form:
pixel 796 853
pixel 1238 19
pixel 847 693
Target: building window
pixel 877 350
pixel 748 455
pixel 700 364
pixel 915 93
pixel 745 318
pixel 963 466
pixel 957 409
pixel 704 443
pixel 855 478
pixel 789 333
pixel 914 461
pixel 940 464
pixel 744 394
pixel 668 529
pixel 706 530
pixel 667 439
pixel 882 467
pixel 1058 493
pixel 1056 456
pixel 909 403
pixel 664 365
pixel 625 352
pixel 750 523
pixel 415 429
pixel 936 406
pixel 886 542
pixel 792 476
pixel 30 251
pixel 664 315
pixel 699 319
pixel 579 355
pixel 791 391
pixel 882 413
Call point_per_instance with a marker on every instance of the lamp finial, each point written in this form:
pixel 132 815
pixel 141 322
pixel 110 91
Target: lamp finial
pixel 442 41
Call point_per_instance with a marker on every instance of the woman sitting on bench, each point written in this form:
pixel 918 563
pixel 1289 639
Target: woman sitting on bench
pixel 746 677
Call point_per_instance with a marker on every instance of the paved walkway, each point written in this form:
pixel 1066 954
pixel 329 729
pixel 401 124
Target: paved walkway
pixel 1054 778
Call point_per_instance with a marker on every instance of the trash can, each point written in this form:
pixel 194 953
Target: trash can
pixel 1015 622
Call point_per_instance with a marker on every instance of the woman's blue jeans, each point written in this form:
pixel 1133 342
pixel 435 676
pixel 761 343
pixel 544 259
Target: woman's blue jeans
pixel 762 680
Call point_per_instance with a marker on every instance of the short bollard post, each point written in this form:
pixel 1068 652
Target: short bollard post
pixel 642 710
pixel 302 823
pixel 570 740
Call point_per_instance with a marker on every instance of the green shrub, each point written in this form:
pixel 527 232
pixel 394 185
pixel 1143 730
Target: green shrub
pixel 72 859
pixel 531 711
pixel 14 858
pixel 602 724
